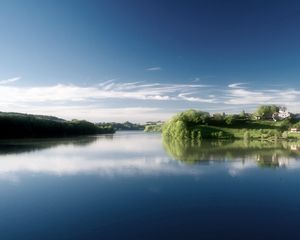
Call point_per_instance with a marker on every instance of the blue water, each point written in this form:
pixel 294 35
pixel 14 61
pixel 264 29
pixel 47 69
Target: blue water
pixel 130 186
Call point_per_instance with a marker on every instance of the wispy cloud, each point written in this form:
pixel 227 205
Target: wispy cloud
pixel 187 97
pixel 153 69
pixel 107 90
pixel 93 102
pixel 10 80
pixel 236 85
pixel 140 101
pixel 248 96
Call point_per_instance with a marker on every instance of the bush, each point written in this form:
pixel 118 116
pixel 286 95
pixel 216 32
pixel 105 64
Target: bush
pixel 192 125
pixel 285 135
pixel 246 136
pixel 266 111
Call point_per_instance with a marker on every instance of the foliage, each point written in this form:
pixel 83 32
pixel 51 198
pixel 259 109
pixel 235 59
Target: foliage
pixel 246 136
pixel 197 125
pixel 230 119
pixel 266 111
pixel 126 126
pixel 153 128
pixel 296 124
pixel 285 135
pixel 285 124
pixel 243 114
pixel 16 125
pixel 193 125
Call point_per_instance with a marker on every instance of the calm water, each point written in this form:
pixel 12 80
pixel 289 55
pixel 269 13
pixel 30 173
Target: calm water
pixel 135 186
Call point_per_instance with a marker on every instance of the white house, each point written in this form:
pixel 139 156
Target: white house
pixel 282 114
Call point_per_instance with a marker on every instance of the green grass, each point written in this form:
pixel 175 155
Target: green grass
pixel 294 135
pixel 256 131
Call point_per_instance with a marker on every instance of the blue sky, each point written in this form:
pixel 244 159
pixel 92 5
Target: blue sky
pixel 146 60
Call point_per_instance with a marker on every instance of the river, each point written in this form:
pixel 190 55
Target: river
pixel 133 185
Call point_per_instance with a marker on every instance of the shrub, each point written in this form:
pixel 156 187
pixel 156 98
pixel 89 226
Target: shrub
pixel 285 135
pixel 246 136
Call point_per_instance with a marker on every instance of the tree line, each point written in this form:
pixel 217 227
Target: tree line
pixel 17 125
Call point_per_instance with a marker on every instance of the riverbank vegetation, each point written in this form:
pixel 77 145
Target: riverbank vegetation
pixel 153 128
pixel 126 126
pixel 264 124
pixel 18 125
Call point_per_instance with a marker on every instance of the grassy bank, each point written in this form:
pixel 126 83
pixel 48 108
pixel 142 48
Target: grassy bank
pixel 197 125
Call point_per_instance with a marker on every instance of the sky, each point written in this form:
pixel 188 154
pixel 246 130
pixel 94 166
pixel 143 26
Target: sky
pixel 138 60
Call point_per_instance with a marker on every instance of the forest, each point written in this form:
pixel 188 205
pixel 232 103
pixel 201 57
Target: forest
pixel 19 125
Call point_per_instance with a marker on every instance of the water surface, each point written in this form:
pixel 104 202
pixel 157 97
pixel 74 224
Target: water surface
pixel 133 185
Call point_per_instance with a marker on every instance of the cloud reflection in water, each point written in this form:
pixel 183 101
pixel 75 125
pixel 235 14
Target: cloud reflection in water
pixel 136 153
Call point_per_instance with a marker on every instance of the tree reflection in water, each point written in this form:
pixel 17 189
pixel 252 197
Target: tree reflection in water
pixel 18 146
pixel 266 154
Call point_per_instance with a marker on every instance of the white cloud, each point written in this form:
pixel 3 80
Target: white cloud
pixel 185 96
pixel 236 85
pixel 10 80
pixel 149 101
pixel 113 90
pixel 239 96
pixel 153 69
pixel 73 101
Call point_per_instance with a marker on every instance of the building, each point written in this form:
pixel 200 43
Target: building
pixel 281 114
pixel 295 130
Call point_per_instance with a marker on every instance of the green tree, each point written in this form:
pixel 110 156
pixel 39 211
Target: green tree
pixel 243 114
pixel 266 111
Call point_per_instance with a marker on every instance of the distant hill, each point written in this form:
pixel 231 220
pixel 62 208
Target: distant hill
pixel 43 117
pixel 19 125
pixel 126 126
